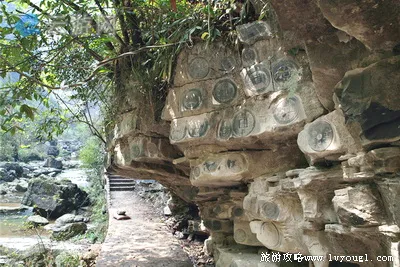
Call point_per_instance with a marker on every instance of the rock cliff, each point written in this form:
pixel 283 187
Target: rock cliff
pixel 288 141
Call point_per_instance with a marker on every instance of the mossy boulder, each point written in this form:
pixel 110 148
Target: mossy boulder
pixel 52 199
pixel 67 231
pixel 10 171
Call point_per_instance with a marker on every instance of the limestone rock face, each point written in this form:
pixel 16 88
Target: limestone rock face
pixel 371 103
pixel 288 142
pixel 376 30
pixel 358 206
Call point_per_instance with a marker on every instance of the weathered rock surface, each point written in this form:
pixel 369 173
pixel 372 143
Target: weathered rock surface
pixel 10 171
pixel 54 198
pixel 67 231
pixel 370 101
pixel 318 81
pixel 53 163
pixel 66 218
pixel 45 171
pixel 53 150
pixel 37 220
pixel 373 23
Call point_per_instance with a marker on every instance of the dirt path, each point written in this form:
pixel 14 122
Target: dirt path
pixel 141 241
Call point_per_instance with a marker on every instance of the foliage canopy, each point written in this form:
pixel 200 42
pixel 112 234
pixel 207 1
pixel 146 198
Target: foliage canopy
pixel 68 51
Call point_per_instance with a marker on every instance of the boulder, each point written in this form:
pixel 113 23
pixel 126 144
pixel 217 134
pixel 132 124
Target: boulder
pixel 15 167
pixel 46 171
pixel 53 163
pixel 6 176
pixel 53 143
pixel 37 220
pixel 67 231
pixel 65 219
pixel 53 151
pixel 54 198
pixel 80 218
pixel 31 156
pixel 10 171
pixel 22 186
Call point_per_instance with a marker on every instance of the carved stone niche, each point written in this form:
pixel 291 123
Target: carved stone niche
pixel 233 168
pixel 359 206
pixel 204 63
pixel 266 77
pixel 280 237
pixel 191 128
pixel 219 226
pixel 203 96
pixel 251 32
pixel 315 190
pixel 278 117
pixel 148 149
pixel 223 210
pixel 276 215
pixel 257 78
pixel 326 138
pixel 243 235
pixel 283 208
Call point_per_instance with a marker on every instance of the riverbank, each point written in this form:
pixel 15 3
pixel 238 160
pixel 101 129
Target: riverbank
pixel 19 239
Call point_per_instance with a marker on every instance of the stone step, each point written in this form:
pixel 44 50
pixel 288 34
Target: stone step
pixel 122 184
pixel 118 188
pixel 122 180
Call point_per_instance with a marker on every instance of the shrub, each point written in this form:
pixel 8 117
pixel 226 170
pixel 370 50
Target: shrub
pixel 91 156
pixel 31 153
pixel 91 153
pixel 67 260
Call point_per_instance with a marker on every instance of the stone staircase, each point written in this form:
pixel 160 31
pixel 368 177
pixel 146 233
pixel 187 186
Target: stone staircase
pixel 119 183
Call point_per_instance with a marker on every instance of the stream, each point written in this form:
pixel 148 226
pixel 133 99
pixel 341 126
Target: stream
pixel 14 233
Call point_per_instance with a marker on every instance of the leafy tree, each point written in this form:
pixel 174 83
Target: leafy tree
pixel 71 51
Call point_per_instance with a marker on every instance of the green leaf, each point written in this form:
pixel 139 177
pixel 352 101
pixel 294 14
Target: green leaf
pixel 28 111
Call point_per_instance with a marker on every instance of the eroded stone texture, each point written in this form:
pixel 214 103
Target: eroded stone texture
pixel 371 103
pixel 241 122
pixel 374 23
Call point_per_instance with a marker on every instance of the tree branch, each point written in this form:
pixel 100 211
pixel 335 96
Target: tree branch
pixel 133 25
pixel 93 74
pixel 103 13
pixel 93 23
pixel 92 128
pixel 122 22
pixel 36 7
